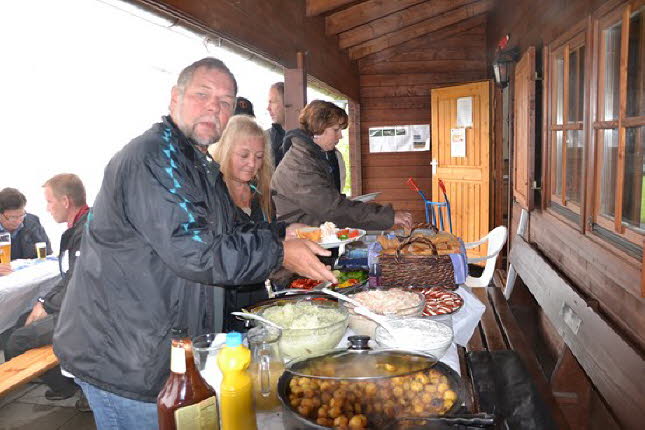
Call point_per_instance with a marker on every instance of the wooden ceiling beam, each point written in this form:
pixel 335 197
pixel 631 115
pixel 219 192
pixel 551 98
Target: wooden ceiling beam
pixel 363 13
pixel 416 30
pixel 397 21
pixel 318 7
pixel 429 39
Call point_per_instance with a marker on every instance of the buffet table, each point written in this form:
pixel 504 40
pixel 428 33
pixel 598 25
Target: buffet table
pixel 20 289
pixel 464 323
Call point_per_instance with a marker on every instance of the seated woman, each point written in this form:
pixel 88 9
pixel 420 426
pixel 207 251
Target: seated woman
pixel 244 155
pixel 304 186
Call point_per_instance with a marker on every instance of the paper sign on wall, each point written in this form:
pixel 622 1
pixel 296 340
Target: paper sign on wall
pixel 399 138
pixel 458 142
pixel 465 112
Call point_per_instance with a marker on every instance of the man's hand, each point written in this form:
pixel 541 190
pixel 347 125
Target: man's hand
pixel 5 269
pixel 403 219
pixel 300 257
pixel 291 230
pixel 37 313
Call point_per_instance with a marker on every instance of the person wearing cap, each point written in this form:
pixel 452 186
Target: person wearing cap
pixel 243 106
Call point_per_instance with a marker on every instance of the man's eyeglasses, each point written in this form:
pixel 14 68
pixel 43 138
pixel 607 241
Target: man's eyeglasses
pixel 14 217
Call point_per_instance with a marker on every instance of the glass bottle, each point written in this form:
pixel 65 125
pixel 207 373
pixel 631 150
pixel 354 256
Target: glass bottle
pixel 186 401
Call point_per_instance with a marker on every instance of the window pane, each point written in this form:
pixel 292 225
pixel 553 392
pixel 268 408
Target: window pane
pixel 633 191
pixel 573 86
pixel 612 68
pixel 558 163
pixel 609 139
pixel 558 87
pixel 635 67
pixel 575 141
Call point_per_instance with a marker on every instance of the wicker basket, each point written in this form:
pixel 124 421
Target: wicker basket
pixel 417 270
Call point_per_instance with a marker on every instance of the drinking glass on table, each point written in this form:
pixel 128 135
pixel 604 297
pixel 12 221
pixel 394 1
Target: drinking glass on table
pixel 41 250
pixel 205 348
pixel 5 248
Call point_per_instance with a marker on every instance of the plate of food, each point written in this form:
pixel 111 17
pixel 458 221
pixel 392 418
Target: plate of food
pixel 329 236
pixel 439 301
pixel 366 197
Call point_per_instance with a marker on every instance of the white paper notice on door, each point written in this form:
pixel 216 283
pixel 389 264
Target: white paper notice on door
pixel 458 142
pixel 465 112
pixel 399 138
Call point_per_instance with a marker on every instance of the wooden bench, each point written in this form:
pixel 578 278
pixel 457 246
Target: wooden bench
pixel 498 331
pixel 614 367
pixel 25 367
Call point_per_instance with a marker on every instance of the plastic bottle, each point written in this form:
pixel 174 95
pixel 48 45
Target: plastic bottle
pixel 186 401
pixel 236 393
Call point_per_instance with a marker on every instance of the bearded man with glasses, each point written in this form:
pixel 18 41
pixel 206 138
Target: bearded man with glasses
pixel 24 227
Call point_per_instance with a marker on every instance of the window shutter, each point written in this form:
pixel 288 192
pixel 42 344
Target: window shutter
pixel 524 130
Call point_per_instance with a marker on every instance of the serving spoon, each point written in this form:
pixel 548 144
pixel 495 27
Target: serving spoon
pixel 251 316
pixel 359 308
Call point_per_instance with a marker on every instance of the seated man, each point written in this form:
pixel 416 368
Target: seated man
pixel 65 197
pixel 25 228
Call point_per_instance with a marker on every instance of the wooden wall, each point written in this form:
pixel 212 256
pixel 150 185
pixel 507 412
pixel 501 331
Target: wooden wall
pixel 395 89
pixel 599 270
pixel 275 29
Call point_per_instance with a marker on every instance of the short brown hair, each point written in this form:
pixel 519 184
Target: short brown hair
pixel 319 115
pixel 11 198
pixel 69 185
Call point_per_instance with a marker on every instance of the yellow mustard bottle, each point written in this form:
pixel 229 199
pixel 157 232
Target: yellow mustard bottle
pixel 236 392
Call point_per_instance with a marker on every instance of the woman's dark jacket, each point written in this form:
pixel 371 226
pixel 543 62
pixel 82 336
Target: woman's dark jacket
pixel 304 191
pixel 162 231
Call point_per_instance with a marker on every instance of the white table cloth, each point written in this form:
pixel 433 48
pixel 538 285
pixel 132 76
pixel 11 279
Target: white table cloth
pixel 20 289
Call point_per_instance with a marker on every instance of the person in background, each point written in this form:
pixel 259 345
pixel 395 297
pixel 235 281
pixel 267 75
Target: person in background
pixel 162 234
pixel 304 186
pixel 24 227
pixel 277 113
pixel 243 106
pixel 244 156
pixel 65 196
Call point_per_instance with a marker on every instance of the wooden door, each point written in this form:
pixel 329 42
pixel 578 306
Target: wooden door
pixel 467 178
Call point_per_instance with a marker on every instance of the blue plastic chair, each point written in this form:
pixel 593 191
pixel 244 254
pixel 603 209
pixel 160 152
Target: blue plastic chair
pixel 434 210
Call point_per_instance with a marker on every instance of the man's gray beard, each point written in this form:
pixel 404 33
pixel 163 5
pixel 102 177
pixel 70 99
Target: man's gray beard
pixel 190 133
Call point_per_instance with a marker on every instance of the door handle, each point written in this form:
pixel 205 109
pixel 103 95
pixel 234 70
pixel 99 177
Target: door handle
pixel 434 165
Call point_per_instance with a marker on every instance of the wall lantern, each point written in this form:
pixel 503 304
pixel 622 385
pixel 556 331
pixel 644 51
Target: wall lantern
pixel 503 65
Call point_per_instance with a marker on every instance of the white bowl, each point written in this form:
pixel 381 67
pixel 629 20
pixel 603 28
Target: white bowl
pixel 416 334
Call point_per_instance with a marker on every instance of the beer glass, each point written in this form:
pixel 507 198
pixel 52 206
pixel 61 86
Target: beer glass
pixel 5 248
pixel 206 347
pixel 41 250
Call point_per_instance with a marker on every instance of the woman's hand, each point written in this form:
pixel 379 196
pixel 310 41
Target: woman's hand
pixel 403 219
pixel 291 232
pixel 300 257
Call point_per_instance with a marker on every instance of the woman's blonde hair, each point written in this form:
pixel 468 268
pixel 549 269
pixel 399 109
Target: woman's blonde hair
pixel 243 127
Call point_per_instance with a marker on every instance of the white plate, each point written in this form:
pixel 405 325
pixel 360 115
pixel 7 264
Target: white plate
pixel 366 197
pixel 337 243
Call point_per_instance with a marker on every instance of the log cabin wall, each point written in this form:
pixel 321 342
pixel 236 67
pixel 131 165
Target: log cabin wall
pixel 395 86
pixel 603 273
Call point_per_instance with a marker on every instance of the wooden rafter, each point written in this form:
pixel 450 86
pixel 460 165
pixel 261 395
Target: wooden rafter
pixel 362 13
pixel 397 21
pixel 425 40
pixel 416 30
pixel 318 7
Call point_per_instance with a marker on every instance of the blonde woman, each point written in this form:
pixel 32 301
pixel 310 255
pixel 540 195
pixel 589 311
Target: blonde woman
pixel 244 155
